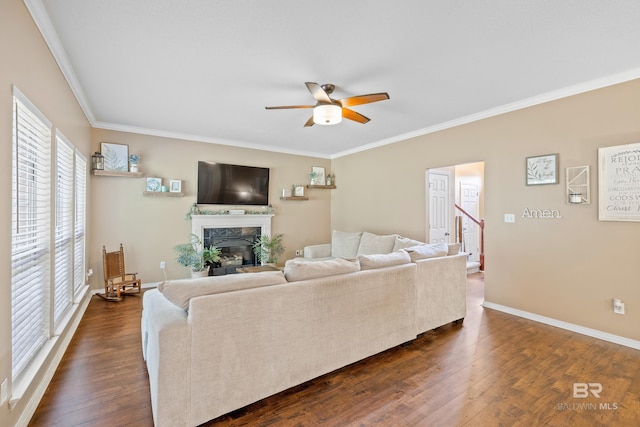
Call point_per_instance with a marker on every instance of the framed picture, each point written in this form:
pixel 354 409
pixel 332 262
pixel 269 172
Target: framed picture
pixel 542 169
pixel 618 178
pixel 175 186
pixel 154 184
pixel 116 156
pixel 298 191
pixel 319 175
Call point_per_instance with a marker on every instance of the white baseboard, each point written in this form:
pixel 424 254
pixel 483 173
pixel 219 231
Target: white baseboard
pixel 616 339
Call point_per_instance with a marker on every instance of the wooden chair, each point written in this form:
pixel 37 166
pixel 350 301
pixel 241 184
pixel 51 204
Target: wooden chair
pixel 116 280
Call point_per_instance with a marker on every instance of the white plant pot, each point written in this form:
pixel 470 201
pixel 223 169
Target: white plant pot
pixel 203 273
pixel 133 168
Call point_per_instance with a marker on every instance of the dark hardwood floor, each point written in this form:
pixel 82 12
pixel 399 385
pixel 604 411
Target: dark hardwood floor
pixel 493 370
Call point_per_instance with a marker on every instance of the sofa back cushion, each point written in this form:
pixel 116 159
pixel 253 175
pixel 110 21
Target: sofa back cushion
pixel 431 250
pixel 299 269
pixel 405 242
pixel 345 244
pixel 181 291
pixel 370 262
pixel 376 244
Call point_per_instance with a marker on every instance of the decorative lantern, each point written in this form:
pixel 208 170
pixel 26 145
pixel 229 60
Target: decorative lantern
pixel 97 162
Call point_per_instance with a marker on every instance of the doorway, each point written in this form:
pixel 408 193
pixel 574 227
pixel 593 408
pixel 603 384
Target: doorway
pixel 455 201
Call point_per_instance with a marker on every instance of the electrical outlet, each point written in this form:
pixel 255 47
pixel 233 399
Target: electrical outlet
pixel 298 252
pixel 509 218
pixel 618 306
pixel 162 265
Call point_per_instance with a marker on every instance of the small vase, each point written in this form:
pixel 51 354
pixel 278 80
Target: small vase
pixel 133 168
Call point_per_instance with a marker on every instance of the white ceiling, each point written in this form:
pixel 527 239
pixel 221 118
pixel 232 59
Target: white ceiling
pixel 205 69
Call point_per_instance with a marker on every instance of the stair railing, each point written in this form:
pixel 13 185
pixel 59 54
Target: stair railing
pixel 480 223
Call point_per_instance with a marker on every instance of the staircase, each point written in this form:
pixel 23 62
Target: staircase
pixel 472 266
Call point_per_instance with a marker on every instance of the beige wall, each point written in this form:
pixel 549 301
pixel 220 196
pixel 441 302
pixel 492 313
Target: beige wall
pixel 26 62
pixel 149 227
pixel 567 269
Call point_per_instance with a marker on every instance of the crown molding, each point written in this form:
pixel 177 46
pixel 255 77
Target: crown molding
pixel 41 18
pixel 506 108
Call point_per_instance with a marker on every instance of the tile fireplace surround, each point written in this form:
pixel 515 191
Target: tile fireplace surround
pixel 200 223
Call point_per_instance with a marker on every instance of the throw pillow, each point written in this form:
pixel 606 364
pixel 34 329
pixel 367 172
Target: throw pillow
pixel 299 269
pixel 181 291
pixel 432 250
pixel 405 242
pixel 454 248
pixel 376 244
pixel 345 244
pixel 370 262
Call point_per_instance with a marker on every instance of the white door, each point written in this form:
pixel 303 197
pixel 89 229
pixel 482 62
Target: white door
pixel 439 207
pixel 469 195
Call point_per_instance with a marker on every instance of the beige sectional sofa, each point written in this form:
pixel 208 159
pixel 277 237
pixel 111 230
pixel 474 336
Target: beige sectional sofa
pixel 213 345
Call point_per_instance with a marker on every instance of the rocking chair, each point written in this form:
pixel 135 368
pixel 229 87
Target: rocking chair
pixel 116 281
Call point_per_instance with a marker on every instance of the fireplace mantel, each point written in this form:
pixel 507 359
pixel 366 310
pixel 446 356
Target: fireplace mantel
pixel 200 222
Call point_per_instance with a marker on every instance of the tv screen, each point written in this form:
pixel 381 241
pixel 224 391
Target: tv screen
pixel 223 184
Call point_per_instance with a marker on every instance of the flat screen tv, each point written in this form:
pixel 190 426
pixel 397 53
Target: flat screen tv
pixel 223 184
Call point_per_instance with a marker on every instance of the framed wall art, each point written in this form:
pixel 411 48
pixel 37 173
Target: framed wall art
pixel 619 183
pixel 116 156
pixel 154 184
pixel 175 186
pixel 542 170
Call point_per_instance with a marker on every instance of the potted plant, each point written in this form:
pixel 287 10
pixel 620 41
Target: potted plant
pixel 196 257
pixel 268 249
pixel 134 159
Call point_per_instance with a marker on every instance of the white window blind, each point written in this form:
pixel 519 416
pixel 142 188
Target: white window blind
pixel 80 223
pixel 30 240
pixel 64 230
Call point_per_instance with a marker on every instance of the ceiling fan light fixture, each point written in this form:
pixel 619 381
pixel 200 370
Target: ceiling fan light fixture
pixel 327 114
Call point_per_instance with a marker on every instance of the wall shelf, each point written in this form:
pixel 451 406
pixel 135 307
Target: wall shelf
pixel 299 198
pixel 322 187
pixel 114 173
pixel 163 194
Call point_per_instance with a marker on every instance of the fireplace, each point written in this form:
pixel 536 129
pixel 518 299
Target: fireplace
pixel 234 235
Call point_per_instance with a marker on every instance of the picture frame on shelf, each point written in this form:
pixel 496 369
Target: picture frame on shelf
pixel 319 175
pixel 298 191
pixel 542 170
pixel 154 184
pixel 175 185
pixel 116 156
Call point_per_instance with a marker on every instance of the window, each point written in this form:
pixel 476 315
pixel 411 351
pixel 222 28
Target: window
pixel 64 230
pixel 47 242
pixel 80 224
pixel 30 232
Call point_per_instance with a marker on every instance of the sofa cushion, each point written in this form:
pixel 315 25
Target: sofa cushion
pixel 453 248
pixel 370 262
pixel 300 269
pixel 376 244
pixel 405 242
pixel 345 244
pixel 431 250
pixel 181 291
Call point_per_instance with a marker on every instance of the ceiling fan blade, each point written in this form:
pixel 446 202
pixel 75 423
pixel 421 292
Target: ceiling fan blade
pixel 284 107
pixel 352 115
pixel 317 92
pixel 309 122
pixel 363 99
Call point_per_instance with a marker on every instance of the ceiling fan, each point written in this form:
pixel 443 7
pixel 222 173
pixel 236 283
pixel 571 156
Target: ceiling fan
pixel 329 111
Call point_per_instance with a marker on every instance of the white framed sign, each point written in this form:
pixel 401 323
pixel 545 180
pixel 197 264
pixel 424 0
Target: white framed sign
pixel 619 183
pixel 542 169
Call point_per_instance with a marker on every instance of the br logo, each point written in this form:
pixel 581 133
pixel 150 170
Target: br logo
pixel 582 390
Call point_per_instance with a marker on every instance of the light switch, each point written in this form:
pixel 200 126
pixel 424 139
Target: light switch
pixel 509 218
